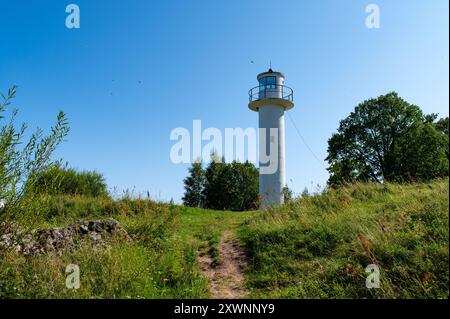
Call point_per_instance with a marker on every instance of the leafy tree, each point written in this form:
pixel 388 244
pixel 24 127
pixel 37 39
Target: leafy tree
pixel 421 154
pixel 384 139
pixel 442 125
pixel 22 161
pixel 224 186
pixel 193 186
pixel 215 183
pixel 243 186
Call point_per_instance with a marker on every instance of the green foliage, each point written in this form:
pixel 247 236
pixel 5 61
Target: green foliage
pixel 126 270
pixel 216 183
pixel 420 154
pixel 314 247
pixel 319 246
pixel 288 195
pixel 442 125
pixel 68 181
pixel 22 161
pixel 244 186
pixel 155 263
pixel 207 226
pixel 193 186
pixel 160 260
pixel 388 139
pixel 231 186
pixel 222 186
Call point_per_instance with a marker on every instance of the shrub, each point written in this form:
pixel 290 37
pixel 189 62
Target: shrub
pixel 68 181
pixel 22 161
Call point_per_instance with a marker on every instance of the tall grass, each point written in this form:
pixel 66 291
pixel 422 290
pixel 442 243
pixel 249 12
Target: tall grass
pixel 314 247
pixel 151 265
pixel 319 246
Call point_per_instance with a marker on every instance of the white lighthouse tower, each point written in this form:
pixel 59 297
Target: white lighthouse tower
pixel 270 99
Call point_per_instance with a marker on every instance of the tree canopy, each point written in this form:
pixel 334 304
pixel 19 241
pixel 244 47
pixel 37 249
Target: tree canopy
pixel 223 186
pixel 388 139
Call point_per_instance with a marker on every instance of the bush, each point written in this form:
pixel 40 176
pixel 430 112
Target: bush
pixel 22 161
pixel 68 181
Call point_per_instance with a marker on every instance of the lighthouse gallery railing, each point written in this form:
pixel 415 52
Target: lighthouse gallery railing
pixel 271 91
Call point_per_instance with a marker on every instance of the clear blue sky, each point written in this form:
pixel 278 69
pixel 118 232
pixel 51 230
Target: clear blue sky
pixel 193 61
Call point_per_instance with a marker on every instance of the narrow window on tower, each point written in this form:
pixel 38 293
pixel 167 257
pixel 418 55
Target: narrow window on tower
pixel 266 84
pixel 271 82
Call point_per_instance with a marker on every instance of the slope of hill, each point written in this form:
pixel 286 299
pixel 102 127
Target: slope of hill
pixel 319 247
pixel 315 247
pixel 160 260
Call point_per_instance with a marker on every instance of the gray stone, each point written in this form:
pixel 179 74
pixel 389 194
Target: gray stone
pixel 41 241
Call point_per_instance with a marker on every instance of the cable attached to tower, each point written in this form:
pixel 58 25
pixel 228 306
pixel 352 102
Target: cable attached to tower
pixel 304 141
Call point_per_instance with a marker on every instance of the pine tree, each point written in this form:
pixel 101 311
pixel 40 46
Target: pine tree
pixel 193 186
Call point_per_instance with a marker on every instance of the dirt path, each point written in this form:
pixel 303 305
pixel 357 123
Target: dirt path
pixel 226 280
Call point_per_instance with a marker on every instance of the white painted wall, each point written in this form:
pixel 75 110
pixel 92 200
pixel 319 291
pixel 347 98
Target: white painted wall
pixel 271 185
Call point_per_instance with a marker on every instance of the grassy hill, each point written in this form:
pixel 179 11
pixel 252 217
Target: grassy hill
pixel 319 247
pixel 315 247
pixel 159 262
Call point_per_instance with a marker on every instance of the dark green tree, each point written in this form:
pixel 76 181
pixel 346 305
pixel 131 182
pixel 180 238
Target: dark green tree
pixel 442 125
pixel 243 186
pixel 193 186
pixel 387 139
pixel 421 154
pixel 230 186
pixel 215 183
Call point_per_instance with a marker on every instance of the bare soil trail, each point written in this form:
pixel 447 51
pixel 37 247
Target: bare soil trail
pixel 226 279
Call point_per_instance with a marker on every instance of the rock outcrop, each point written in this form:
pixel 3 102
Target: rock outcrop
pixel 40 241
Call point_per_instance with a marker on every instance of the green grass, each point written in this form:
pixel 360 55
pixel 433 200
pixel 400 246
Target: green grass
pixel 318 247
pixel 315 247
pixel 160 261
pixel 205 227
